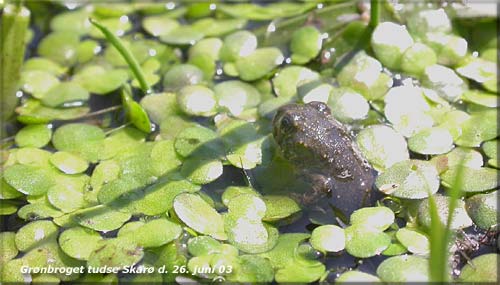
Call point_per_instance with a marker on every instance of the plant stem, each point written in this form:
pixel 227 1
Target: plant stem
pixel 374 13
pixel 14 26
pixel 126 54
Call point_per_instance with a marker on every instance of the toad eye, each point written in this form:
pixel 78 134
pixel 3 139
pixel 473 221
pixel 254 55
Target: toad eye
pixel 287 124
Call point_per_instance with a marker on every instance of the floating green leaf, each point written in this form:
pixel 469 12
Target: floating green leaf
pixel 100 218
pixel 9 249
pixel 79 242
pixel 404 268
pixel 409 179
pixel 97 79
pixel 65 94
pixel 473 179
pixel 431 141
pixel 259 63
pixel 483 209
pixel 362 241
pixel 306 44
pixel 199 215
pixel 481 269
pixel 38 83
pixel 382 146
pixel 27 179
pixel 33 136
pixel 69 163
pixel 414 241
pixel 115 252
pixel 83 139
pixel 35 234
pixel 329 238
pixel 155 233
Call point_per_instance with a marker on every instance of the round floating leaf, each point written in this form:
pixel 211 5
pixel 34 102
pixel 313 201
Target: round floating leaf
pixel 83 139
pixel 69 163
pixel 416 58
pixel 238 44
pixel 182 35
pixel 98 80
pixel 297 272
pixel 33 112
pixel 115 252
pixel 490 148
pixel 38 83
pixel 43 64
pixel 483 209
pixel 197 100
pixel 66 197
pixel 363 242
pixel 203 245
pixel 404 268
pixel 100 218
pixel 409 179
pixel 159 197
pixel 389 49
pixel 33 157
pixel 233 191
pixel 9 249
pixel 431 141
pixel 284 251
pixel 160 106
pixel 65 93
pixel 155 233
pixel 33 136
pixel 279 207
pixel 209 47
pixel 182 75
pixel 38 211
pixel 259 63
pixel 285 83
pixel 349 105
pixel 60 47
pixel 460 217
pixel 355 276
pixel 250 235
pixel 217 27
pixel 35 234
pixel 481 98
pixel 7 208
pixel 363 74
pixel 199 215
pixel 458 156
pixel 482 269
pixel 201 171
pixel 479 127
pixel 305 44
pixel 414 241
pixel 71 21
pixel 7 191
pixel 164 159
pixel 329 238
pixel 236 96
pixel 472 179
pixel 379 218
pixel 382 146
pixel 159 25
pixel 198 142
pixel 30 180
pixel 253 269
pixel 79 242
